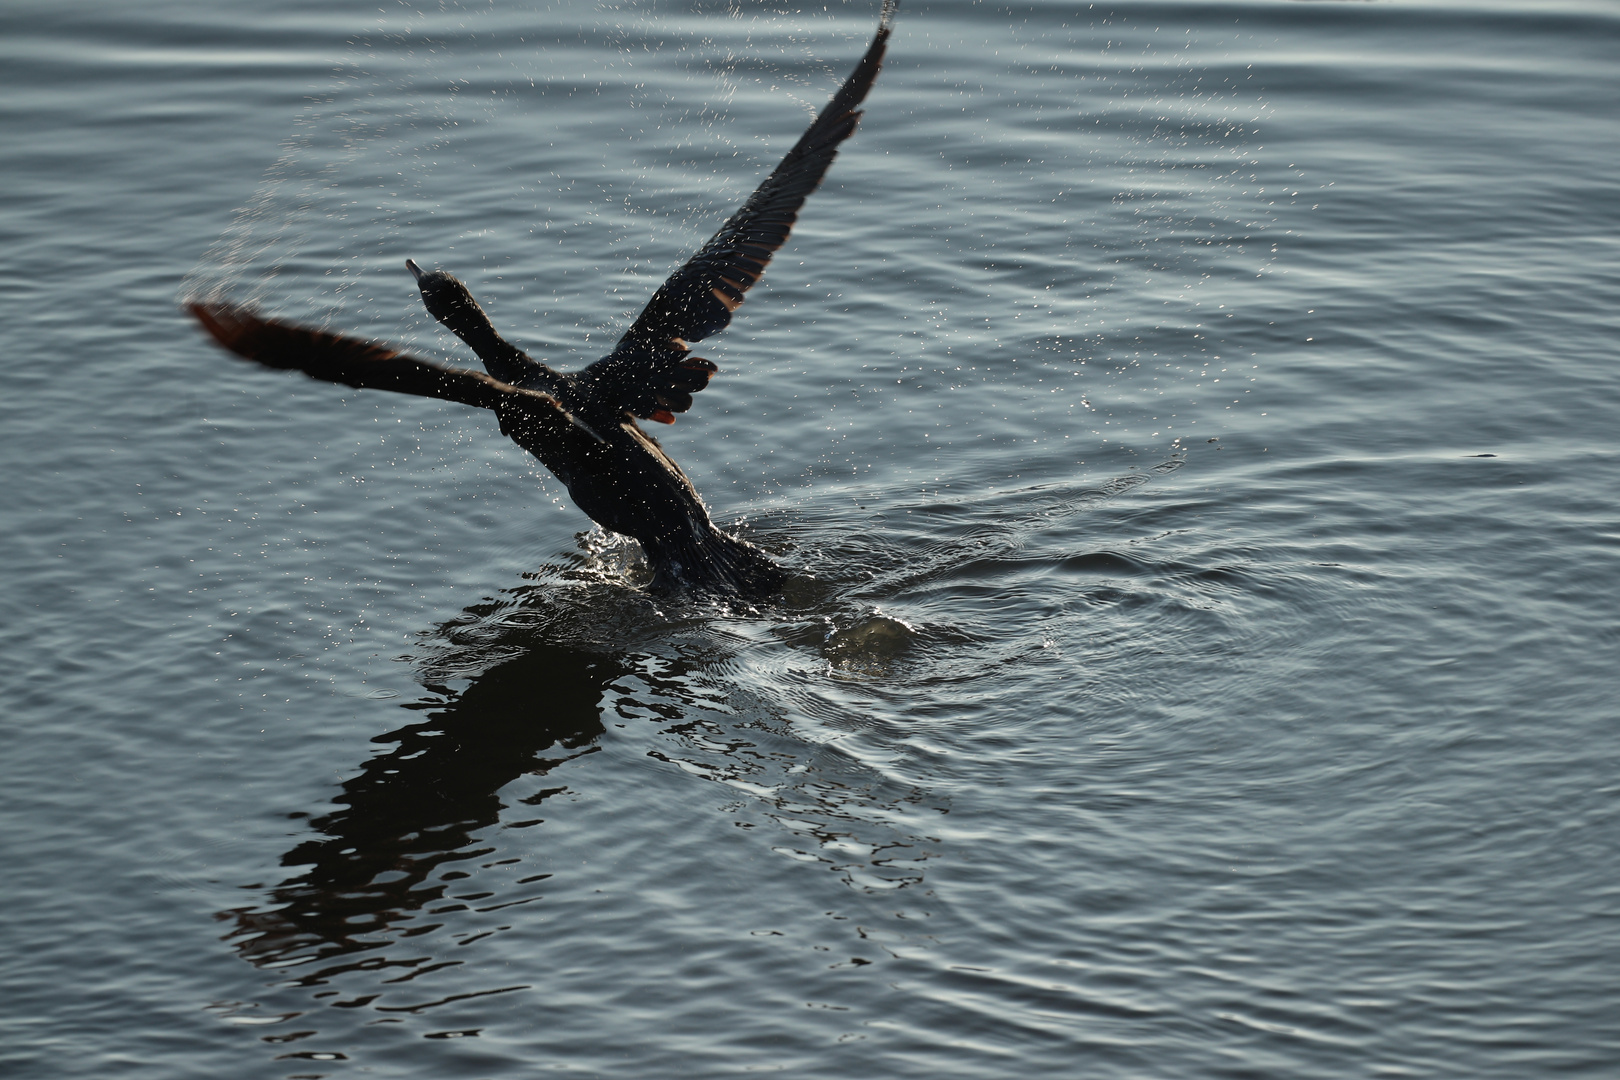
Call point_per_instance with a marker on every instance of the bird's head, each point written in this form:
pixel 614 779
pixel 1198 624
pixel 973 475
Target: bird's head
pixel 448 300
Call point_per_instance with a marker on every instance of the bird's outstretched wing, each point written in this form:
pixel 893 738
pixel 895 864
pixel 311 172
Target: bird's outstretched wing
pixel 361 364
pixel 649 373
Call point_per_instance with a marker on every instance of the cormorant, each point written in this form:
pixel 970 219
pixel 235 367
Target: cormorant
pixel 582 425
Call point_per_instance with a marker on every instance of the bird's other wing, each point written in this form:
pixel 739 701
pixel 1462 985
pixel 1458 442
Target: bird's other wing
pixel 361 364
pixel 649 373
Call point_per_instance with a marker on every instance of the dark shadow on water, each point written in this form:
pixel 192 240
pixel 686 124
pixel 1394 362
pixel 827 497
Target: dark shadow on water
pixel 365 880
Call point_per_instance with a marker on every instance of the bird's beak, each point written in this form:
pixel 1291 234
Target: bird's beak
pixel 416 271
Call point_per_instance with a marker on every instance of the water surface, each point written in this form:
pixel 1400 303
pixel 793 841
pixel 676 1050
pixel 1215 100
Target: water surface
pixel 1191 426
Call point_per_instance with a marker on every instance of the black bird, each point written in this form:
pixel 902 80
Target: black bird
pixel 582 425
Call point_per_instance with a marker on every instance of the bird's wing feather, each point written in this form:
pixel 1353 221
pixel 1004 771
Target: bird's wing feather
pixel 361 364
pixel 649 373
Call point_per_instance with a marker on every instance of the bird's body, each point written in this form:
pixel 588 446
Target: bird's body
pixel 582 425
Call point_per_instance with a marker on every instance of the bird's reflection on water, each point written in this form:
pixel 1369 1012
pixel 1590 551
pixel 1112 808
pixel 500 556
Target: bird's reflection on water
pixel 516 688
pixel 422 804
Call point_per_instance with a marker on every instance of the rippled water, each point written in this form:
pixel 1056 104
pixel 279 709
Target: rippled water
pixel 1191 426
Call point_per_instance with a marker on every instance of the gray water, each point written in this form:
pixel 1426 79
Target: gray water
pixel 1191 427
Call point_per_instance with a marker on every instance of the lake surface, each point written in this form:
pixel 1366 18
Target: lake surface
pixel 1191 428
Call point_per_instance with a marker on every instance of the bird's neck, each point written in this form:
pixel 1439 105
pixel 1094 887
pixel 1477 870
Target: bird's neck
pixel 501 358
